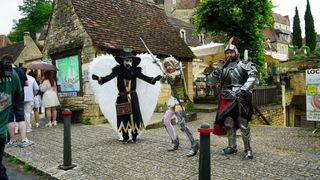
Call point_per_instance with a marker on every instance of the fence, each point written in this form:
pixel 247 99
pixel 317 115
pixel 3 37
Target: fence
pixel 264 95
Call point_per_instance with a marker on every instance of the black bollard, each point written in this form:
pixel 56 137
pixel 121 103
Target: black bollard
pixel 204 155
pixel 67 162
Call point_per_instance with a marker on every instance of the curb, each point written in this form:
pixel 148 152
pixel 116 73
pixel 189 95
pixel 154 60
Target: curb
pixel 40 174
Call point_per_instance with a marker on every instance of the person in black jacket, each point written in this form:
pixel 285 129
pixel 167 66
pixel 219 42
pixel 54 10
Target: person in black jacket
pixel 126 73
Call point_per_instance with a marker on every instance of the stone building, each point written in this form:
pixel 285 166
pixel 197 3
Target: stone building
pixel 79 30
pixel 23 52
pixel 278 37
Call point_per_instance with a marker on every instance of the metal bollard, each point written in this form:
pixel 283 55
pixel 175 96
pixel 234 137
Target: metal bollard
pixel 67 162
pixel 204 155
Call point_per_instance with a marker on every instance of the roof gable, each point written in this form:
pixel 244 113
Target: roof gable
pixel 115 24
pixel 13 50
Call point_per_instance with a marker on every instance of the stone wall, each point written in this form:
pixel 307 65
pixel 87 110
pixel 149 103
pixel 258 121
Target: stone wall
pixel 273 113
pixel 66 33
pixel 298 82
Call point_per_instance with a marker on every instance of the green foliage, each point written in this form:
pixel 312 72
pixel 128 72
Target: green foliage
pixel 299 56
pixel 13 159
pixel 296 34
pixel 37 13
pixel 304 47
pixel 243 19
pixel 86 121
pixel 309 28
pixel 27 167
pixel 317 52
pixel 189 107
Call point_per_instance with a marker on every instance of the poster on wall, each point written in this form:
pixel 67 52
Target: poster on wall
pixel 68 76
pixel 313 94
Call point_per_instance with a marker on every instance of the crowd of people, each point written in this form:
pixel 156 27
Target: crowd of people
pixel 37 92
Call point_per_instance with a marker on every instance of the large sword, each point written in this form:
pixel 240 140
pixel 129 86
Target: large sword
pixel 175 93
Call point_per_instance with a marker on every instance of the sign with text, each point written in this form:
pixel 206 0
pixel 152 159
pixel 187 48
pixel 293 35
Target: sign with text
pixel 313 94
pixel 68 76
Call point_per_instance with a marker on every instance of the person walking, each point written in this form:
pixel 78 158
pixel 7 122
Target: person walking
pixel 50 98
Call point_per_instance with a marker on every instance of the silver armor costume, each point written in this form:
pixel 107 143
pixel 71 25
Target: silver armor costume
pixel 237 81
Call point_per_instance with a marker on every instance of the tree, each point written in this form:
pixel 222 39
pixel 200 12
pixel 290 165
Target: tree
pixel 37 13
pixel 243 19
pixel 309 28
pixel 296 34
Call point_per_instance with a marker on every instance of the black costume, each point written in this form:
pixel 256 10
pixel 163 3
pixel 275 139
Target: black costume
pixel 126 84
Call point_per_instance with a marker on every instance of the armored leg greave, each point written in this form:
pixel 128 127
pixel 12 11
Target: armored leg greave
pixel 181 122
pixel 246 137
pixel 232 138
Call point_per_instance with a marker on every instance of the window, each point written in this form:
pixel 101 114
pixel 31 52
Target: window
pixel 183 34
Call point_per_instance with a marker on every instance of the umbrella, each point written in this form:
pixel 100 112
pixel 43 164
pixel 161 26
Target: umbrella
pixel 42 66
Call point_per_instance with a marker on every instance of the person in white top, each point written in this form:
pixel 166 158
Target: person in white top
pixel 50 98
pixel 29 92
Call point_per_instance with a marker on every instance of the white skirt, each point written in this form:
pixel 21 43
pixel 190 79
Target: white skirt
pixel 173 101
pixel 50 99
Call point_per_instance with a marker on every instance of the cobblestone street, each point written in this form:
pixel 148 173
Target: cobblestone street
pixel 279 153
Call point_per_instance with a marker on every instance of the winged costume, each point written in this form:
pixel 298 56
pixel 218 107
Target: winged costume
pixel 126 84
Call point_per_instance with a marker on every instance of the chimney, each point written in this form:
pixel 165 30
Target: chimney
pixel 26 38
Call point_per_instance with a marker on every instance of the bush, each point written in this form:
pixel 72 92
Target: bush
pixel 299 56
pixel 304 47
pixel 86 121
pixel 189 107
pixel 317 52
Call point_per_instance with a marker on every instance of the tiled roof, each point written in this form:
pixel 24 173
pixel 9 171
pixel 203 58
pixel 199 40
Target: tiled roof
pixel 187 4
pixel 13 50
pixel 4 41
pixel 189 28
pixel 281 19
pixel 115 24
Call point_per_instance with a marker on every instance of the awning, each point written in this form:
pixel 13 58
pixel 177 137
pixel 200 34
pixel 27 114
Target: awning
pixel 208 49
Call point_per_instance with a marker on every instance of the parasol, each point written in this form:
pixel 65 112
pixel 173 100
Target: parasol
pixel 42 66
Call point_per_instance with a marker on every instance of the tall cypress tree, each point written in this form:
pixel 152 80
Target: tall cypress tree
pixel 296 35
pixel 309 28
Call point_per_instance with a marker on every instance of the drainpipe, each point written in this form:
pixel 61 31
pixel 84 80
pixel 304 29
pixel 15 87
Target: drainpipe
pixel 283 92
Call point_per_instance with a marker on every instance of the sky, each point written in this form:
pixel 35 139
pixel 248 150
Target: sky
pixel 10 11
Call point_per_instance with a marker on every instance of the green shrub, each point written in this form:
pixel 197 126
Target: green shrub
pixel 189 107
pixel 317 52
pixel 299 56
pixel 27 167
pixel 86 121
pixel 304 47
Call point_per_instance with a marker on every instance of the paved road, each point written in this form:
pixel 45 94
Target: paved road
pixel 280 153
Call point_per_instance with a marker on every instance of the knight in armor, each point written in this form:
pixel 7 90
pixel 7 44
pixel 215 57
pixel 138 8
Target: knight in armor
pixel 174 77
pixel 235 107
pixel 127 73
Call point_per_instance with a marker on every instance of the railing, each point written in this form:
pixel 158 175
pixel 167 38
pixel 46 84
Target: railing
pixel 264 95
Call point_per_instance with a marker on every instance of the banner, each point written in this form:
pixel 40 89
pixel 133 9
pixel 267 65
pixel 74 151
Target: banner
pixel 313 94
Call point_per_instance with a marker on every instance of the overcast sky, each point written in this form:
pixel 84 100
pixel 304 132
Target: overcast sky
pixel 9 12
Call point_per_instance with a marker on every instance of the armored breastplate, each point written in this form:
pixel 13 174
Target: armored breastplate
pixel 233 77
